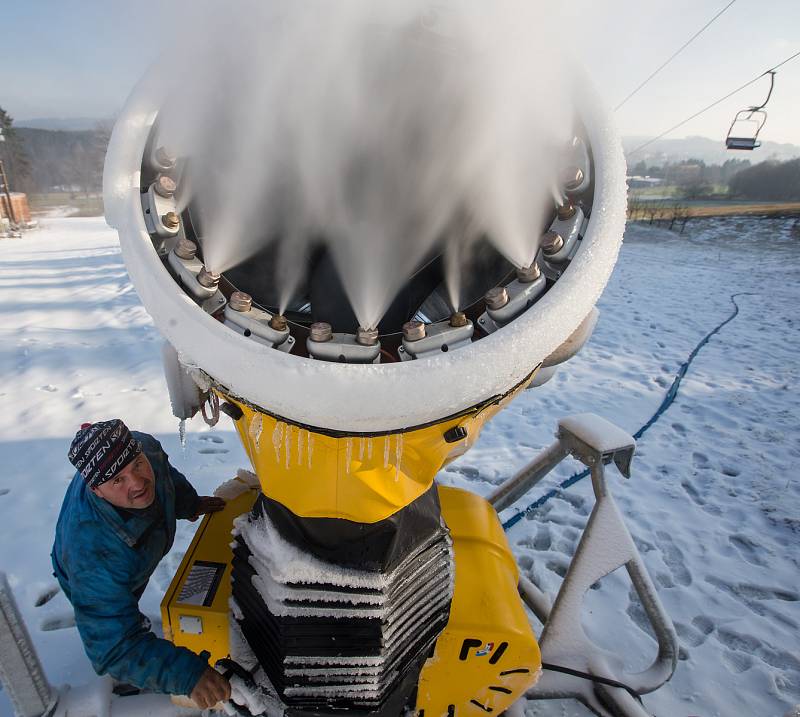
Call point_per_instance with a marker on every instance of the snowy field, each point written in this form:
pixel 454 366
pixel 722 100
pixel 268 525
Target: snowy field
pixel 714 501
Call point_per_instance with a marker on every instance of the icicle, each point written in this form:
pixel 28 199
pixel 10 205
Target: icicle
pixel 299 446
pixel 277 440
pixel 386 440
pixel 256 426
pixel 398 455
pixel 369 449
pixel 348 455
pixel 361 442
pixel 182 434
pixel 310 447
pixel 288 446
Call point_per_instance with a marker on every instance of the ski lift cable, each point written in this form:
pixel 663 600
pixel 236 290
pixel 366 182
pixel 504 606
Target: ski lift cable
pixel 674 55
pixel 713 104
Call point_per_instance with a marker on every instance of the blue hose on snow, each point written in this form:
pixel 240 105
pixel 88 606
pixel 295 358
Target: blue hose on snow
pixel 669 398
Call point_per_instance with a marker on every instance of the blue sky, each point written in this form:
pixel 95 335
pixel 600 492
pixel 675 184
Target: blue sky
pixel 81 59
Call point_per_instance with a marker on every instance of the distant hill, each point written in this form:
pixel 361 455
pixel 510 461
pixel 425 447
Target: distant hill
pixel 711 151
pixel 70 124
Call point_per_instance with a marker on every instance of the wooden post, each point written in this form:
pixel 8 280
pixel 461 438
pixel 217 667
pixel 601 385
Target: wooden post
pixel 7 195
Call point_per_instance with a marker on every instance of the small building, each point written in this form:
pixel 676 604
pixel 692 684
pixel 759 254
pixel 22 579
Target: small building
pixel 638 182
pixel 20 211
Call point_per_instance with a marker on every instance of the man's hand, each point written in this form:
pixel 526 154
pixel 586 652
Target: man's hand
pixel 208 504
pixel 210 689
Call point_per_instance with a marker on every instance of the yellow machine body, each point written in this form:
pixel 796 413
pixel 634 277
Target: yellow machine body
pixel 363 479
pixel 486 657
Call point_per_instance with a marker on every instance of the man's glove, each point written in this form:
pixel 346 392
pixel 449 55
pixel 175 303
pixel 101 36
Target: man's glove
pixel 207 504
pixel 210 689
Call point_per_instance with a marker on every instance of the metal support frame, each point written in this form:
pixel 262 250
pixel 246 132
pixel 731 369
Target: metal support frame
pixel 606 544
pixel 21 673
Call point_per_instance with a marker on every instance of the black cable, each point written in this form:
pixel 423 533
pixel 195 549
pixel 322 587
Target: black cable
pixel 594 678
pixel 675 54
pixel 713 104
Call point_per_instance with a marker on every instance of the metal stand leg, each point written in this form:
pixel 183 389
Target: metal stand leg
pixel 605 545
pixel 20 670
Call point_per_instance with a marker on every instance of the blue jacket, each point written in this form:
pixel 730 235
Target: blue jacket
pixel 103 558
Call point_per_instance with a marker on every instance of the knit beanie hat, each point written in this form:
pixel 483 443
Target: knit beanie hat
pixel 101 450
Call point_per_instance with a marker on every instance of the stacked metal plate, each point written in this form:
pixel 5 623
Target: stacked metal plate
pixel 338 637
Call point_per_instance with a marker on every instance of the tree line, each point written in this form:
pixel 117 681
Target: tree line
pixel 40 161
pixel 770 180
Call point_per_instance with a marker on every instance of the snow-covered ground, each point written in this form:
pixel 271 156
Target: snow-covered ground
pixel 713 503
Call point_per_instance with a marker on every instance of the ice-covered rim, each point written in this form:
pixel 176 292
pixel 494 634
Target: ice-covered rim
pixel 357 397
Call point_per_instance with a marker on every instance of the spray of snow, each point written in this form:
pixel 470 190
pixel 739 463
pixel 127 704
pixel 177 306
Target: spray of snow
pixel 356 397
pixel 378 129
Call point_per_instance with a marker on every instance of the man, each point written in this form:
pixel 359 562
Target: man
pixel 116 523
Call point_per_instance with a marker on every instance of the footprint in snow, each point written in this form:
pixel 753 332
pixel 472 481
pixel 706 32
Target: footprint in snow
pixel 46 595
pixel 697 632
pixel 691 491
pixel 58 622
pixel 674 559
pixel 212 451
pixel 47 387
pixel 210 438
pixel 466 471
pixel 747 549
pixel 5 491
pixel 543 540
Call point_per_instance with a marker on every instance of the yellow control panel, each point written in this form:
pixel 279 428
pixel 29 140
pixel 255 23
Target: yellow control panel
pixel 195 611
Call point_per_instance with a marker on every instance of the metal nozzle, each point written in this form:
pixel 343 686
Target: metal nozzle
pixel 208 279
pixel 496 298
pixel 413 330
pixel 165 185
pixel 278 322
pixel 367 337
pixel 566 210
pixel 551 243
pixel 321 331
pixel 457 319
pixel 240 301
pixel 164 157
pixel 186 249
pixel 572 178
pixel 528 274
pixel 171 220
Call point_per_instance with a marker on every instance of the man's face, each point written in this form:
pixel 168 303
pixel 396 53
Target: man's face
pixel 133 487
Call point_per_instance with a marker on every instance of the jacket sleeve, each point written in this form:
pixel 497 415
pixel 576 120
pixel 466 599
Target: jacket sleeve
pixel 110 624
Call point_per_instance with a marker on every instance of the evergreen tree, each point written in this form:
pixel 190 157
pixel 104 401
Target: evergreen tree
pixel 13 153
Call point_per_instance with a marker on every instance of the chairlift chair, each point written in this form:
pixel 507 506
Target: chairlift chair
pixel 748 124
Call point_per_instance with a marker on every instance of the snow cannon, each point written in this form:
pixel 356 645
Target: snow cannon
pixel 341 577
